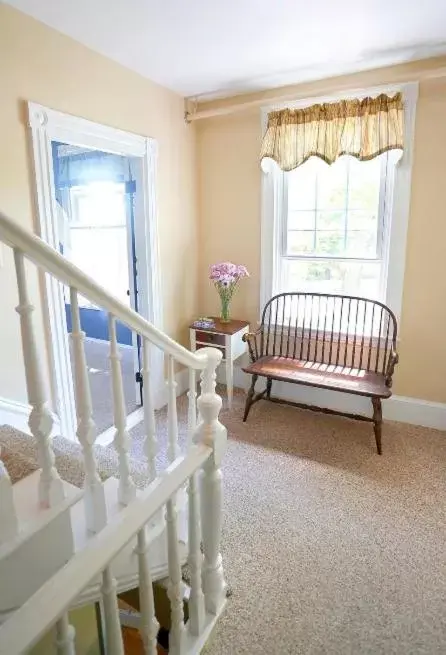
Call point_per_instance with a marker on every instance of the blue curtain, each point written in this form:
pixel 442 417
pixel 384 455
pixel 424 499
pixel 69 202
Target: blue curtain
pixel 86 167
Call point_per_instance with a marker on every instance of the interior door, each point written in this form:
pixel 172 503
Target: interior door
pixel 130 191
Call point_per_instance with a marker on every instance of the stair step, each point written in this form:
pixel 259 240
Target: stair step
pixel 44 542
pixel 125 565
pixel 31 517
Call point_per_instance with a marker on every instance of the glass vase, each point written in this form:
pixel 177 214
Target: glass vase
pixel 224 313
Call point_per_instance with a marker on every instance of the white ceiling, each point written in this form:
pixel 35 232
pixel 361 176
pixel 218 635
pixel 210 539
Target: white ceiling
pixel 220 47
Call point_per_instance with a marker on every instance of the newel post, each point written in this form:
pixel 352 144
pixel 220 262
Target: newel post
pixel 212 433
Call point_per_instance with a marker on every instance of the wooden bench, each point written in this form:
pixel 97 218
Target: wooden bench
pixel 340 343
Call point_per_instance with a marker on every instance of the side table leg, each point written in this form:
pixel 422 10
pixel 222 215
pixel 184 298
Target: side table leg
pixel 229 381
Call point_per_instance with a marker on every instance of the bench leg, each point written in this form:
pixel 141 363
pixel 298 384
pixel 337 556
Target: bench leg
pixel 377 422
pixel 249 400
pixel 269 384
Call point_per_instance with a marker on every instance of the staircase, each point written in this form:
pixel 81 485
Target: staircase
pixel 62 546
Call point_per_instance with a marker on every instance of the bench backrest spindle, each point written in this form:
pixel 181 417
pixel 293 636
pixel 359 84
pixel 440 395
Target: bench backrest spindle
pixel 332 329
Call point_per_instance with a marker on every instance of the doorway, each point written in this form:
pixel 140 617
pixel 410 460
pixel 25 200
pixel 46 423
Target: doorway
pixel 95 195
pixel 96 201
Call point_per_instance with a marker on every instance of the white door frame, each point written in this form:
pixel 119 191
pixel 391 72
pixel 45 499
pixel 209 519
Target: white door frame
pixel 47 125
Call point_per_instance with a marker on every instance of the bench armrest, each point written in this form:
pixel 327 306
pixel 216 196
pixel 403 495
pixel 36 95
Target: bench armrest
pixel 251 338
pixel 393 361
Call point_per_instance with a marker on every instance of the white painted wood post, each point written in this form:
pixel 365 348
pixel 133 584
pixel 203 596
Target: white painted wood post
pixel 175 584
pixel 65 636
pixel 51 488
pixel 149 626
pixel 195 559
pixel 150 444
pixel 94 495
pixel 127 489
pixel 9 526
pixel 192 407
pixel 212 433
pixel 173 449
pixel 112 624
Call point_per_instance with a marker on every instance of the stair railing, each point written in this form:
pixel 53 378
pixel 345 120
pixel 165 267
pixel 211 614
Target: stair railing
pixel 49 606
pixel 208 433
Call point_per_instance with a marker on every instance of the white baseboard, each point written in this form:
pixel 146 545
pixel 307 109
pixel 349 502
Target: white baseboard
pixel 397 408
pixel 15 414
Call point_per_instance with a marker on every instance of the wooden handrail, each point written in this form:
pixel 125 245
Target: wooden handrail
pixel 50 602
pixel 49 260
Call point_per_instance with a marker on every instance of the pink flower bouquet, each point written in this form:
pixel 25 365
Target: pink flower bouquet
pixel 226 277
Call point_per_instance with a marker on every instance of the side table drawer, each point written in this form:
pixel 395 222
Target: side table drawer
pixel 210 337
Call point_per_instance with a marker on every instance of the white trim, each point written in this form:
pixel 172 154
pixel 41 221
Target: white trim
pixel 414 411
pixel 47 125
pixel 400 205
pixel 16 415
pixel 397 196
pixel 360 92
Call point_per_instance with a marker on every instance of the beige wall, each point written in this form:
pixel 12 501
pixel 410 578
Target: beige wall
pixel 39 64
pixel 230 192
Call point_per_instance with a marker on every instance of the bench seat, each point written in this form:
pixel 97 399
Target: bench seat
pixel 324 376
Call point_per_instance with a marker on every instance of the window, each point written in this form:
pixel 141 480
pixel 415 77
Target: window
pixel 335 229
pixel 342 228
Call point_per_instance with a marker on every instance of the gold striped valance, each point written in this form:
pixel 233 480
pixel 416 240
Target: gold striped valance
pixel 361 128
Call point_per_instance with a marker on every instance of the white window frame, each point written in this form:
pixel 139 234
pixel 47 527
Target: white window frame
pixel 397 199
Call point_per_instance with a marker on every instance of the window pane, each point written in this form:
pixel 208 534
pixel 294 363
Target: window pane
pixel 110 269
pixel 331 220
pixel 364 183
pixel 363 220
pixel 331 276
pixel 330 242
pixel 301 220
pixel 99 204
pixel 302 187
pixel 300 242
pixel 361 243
pixel 332 185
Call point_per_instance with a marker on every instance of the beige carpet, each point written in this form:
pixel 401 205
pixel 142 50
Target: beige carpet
pixel 329 548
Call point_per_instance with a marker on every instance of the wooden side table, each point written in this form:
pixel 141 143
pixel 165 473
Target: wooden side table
pixel 227 337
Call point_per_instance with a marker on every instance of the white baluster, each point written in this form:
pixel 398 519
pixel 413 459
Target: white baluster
pixel 112 624
pixel 8 517
pixel 175 585
pixel 196 598
pixel 150 445
pixel 173 449
pixel 212 433
pixel 65 636
pixel 127 490
pixel 192 408
pixel 149 625
pixel 51 489
pixel 94 496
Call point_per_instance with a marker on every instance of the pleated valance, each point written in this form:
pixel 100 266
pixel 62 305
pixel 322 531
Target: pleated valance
pixel 362 128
